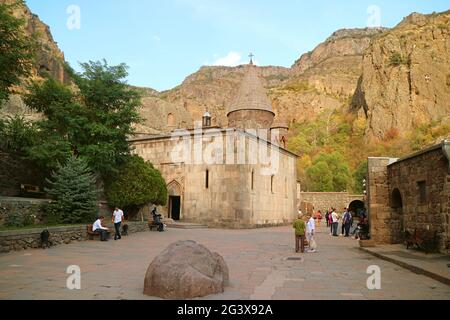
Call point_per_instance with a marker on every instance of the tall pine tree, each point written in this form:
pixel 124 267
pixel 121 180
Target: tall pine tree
pixel 72 187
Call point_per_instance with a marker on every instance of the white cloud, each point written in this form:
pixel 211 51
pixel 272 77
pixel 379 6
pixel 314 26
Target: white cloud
pixel 156 38
pixel 232 59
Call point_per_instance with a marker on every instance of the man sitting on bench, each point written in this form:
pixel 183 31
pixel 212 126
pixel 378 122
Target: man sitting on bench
pixel 99 229
pixel 157 220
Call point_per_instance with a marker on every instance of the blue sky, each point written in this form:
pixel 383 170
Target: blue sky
pixel 166 40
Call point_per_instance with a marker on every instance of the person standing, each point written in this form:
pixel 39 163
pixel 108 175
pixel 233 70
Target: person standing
pixel 327 218
pixel 319 218
pixel 330 219
pixel 117 219
pixel 300 231
pixel 99 229
pixel 311 228
pixel 335 217
pixel 347 223
pixel 343 222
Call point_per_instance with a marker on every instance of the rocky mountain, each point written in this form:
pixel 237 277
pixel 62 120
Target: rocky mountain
pixel 406 75
pixel 324 79
pixel 49 58
pixel 392 79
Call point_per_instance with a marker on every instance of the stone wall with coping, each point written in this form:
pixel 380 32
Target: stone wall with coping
pixel 323 201
pixel 17 240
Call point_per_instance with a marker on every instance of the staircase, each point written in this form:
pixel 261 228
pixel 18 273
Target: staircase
pixel 183 225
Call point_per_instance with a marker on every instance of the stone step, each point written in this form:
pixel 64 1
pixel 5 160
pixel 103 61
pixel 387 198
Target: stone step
pixel 184 225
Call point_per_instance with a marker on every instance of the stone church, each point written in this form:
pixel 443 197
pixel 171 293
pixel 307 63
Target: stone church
pixel 241 176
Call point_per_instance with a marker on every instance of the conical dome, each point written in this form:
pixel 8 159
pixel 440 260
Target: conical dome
pixel 251 95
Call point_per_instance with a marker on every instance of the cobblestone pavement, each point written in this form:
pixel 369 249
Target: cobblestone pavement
pixel 260 263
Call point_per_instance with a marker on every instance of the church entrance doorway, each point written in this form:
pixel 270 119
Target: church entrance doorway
pixel 175 207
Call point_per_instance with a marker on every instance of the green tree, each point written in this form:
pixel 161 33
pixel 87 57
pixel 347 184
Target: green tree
pixel 16 135
pixel 72 187
pixel 138 183
pixel 330 172
pixel 111 110
pixel 320 178
pixel 16 49
pixel 93 123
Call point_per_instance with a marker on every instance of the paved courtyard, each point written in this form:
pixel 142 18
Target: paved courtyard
pixel 258 260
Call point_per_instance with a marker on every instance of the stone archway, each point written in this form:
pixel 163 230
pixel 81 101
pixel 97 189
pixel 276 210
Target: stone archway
pixel 397 218
pixel 175 192
pixel 397 200
pixel 357 206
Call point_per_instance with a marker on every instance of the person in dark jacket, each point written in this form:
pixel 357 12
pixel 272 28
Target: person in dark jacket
pixel 157 220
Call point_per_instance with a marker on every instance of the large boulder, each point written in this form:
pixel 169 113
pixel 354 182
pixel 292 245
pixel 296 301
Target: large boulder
pixel 186 270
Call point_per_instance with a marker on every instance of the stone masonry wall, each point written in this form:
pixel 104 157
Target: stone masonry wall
pixel 18 240
pixel 323 201
pixel 431 213
pixel 22 207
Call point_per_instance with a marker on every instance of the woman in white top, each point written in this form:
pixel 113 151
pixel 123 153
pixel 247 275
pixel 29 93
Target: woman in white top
pixel 311 229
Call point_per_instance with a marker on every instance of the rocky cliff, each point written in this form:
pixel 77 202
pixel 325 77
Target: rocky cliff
pixel 49 58
pixel 324 79
pixel 406 76
pixel 392 79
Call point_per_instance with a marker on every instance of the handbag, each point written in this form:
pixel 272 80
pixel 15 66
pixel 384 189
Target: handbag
pixel 313 244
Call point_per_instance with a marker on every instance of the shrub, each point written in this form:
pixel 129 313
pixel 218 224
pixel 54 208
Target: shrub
pixel 14 219
pixel 391 134
pixel 138 183
pixel 397 59
pixel 298 86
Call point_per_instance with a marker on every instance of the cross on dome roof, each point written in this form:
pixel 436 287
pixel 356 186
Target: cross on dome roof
pixel 251 94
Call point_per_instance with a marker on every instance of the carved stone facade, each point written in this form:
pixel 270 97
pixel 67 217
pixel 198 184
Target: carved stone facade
pixel 227 193
pixel 410 193
pixel 235 177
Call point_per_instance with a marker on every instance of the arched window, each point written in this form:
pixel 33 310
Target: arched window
pixel 396 199
pixel 272 180
pixel 285 187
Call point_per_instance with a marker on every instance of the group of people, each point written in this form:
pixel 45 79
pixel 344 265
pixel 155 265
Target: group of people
pixel 305 226
pixel 117 219
pixel 349 225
